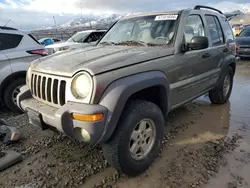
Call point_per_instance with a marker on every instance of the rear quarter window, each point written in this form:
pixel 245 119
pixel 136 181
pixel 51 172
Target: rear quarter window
pixel 33 38
pixel 228 31
pixel 9 41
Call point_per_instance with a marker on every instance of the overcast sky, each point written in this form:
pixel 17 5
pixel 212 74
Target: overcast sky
pixel 30 14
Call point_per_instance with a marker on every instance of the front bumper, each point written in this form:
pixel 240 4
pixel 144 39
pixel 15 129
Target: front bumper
pixel 61 118
pixel 243 52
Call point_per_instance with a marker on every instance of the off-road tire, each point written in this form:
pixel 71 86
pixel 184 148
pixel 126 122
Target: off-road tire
pixel 216 95
pixel 116 150
pixel 7 95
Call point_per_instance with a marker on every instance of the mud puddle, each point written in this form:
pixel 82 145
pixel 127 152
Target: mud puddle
pixel 193 154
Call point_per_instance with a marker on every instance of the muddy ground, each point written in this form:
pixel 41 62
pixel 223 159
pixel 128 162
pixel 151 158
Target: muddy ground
pixel 205 146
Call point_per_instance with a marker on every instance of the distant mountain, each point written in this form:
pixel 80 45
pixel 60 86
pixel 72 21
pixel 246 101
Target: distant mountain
pixel 94 21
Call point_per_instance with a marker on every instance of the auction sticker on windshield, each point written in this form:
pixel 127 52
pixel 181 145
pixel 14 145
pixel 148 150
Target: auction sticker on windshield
pixel 166 17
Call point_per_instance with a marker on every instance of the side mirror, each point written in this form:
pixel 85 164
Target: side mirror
pixel 198 43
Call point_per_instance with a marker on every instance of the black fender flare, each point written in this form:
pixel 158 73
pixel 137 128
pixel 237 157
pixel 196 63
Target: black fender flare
pixel 118 92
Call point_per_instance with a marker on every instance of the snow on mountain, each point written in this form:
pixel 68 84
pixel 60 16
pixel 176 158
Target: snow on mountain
pixel 92 21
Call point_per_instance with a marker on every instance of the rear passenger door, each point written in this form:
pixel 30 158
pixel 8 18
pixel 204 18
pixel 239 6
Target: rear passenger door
pixel 216 43
pixel 230 49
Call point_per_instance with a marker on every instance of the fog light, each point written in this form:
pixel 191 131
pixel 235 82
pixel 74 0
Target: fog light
pixel 88 117
pixel 82 134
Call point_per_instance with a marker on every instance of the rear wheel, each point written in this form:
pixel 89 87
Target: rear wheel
pixel 222 92
pixel 137 140
pixel 10 94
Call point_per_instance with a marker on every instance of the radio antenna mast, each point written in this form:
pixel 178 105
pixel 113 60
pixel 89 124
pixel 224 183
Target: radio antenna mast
pixel 7 23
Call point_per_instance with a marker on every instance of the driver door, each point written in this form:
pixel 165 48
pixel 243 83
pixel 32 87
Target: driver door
pixel 195 78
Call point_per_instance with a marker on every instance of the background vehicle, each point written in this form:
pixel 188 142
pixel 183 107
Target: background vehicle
pixel 243 43
pixel 237 28
pixel 80 39
pixel 17 50
pixel 48 41
pixel 118 92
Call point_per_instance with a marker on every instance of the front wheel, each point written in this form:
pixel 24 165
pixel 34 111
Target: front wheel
pixel 137 140
pixel 222 92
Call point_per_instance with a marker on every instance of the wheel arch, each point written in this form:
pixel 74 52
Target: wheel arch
pixel 13 76
pixel 138 86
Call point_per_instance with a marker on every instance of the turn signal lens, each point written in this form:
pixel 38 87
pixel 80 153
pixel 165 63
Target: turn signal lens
pixel 88 117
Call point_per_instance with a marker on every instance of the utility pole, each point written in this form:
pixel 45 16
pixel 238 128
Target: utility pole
pixel 55 23
pixel 81 9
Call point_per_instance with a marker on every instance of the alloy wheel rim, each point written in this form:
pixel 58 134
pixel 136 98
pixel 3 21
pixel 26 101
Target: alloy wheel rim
pixel 15 92
pixel 226 85
pixel 142 139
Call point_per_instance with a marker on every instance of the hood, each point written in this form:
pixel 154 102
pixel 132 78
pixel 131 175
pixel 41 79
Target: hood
pixel 61 44
pixel 97 59
pixel 243 41
pixel 80 45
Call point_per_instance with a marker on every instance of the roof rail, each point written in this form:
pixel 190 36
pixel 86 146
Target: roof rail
pixel 198 7
pixel 7 28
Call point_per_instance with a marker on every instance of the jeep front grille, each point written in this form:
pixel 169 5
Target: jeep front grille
pixel 48 89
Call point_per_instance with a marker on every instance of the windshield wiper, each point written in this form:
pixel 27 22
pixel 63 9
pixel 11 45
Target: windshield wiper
pixel 132 42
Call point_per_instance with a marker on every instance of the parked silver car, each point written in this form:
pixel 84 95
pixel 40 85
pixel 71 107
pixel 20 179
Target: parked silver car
pixel 17 50
pixel 78 40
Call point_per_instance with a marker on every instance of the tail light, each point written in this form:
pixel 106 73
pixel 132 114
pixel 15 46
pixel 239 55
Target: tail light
pixel 236 50
pixel 42 52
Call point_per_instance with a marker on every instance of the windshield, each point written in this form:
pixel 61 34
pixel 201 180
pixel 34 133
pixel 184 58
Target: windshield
pixel 78 37
pixel 147 30
pixel 245 33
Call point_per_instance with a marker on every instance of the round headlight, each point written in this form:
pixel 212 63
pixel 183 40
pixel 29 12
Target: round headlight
pixel 28 76
pixel 81 86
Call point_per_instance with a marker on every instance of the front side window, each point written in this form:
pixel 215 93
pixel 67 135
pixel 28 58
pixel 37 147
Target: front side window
pixel 78 37
pixel 95 36
pixel 194 27
pixel 214 30
pixel 9 41
pixel 154 30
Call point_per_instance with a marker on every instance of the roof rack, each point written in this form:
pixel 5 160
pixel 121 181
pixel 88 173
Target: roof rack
pixel 7 28
pixel 198 7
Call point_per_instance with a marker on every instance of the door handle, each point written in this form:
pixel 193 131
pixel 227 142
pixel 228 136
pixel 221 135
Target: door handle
pixel 226 50
pixel 206 55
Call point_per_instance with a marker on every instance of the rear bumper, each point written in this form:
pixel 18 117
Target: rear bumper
pixel 61 118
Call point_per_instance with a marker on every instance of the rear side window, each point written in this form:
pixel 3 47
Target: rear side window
pixel 227 31
pixel 215 30
pixel 56 40
pixel 8 41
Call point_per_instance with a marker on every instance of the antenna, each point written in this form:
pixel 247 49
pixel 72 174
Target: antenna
pixel 7 23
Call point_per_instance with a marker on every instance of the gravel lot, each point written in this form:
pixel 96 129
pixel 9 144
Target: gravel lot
pixel 205 146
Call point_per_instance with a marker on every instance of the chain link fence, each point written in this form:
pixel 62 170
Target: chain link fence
pixel 63 34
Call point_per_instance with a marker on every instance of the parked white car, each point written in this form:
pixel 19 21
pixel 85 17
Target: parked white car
pixel 17 50
pixel 78 40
